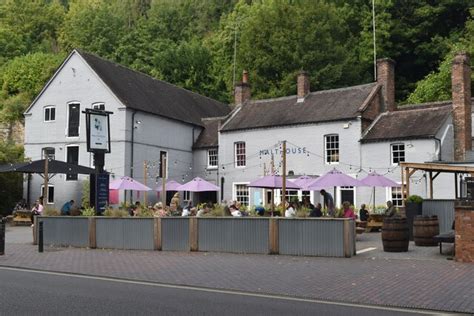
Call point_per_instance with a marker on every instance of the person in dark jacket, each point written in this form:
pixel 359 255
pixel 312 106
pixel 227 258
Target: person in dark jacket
pixel 316 211
pixel 363 213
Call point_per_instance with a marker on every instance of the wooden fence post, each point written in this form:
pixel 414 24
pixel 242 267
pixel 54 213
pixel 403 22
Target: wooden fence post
pixel 347 238
pixel 273 238
pixel 92 232
pixel 157 233
pixel 193 234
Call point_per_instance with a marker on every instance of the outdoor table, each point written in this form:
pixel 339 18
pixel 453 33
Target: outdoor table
pixel 22 217
pixel 374 221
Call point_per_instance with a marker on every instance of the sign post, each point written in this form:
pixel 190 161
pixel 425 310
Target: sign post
pixel 98 143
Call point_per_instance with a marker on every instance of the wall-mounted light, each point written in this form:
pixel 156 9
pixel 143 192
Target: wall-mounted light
pixel 346 125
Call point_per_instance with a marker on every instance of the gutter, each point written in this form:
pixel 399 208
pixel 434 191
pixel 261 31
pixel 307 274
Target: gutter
pixel 132 149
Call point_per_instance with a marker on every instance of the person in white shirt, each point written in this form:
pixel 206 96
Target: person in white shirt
pixel 234 209
pixel 187 209
pixel 290 211
pixel 206 209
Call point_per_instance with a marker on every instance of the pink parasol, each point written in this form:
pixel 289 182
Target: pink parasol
pixel 272 182
pixel 304 182
pixel 198 185
pixel 334 178
pixel 374 179
pixel 127 183
pixel 170 186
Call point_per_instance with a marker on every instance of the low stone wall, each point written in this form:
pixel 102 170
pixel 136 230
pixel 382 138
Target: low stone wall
pixel 304 237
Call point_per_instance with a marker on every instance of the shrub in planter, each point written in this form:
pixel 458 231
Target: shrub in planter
pixel 415 199
pixel 88 211
pixel 51 212
pixel 111 212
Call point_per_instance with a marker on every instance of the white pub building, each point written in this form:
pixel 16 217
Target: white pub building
pixel 355 129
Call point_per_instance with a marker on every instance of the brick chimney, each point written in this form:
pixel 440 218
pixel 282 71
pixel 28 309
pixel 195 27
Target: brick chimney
pixel 242 89
pixel 461 94
pixel 302 86
pixel 386 78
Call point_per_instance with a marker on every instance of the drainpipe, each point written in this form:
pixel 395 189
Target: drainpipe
pixel 439 151
pixel 131 153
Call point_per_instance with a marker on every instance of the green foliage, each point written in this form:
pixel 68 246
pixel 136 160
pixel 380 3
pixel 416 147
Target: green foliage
pixel 145 212
pixel 49 211
pixel 303 212
pixel 11 184
pixel 88 211
pixel 217 210
pixel 113 212
pixel 85 198
pixel 415 199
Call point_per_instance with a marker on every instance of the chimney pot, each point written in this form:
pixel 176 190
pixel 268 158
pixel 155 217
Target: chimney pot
pixel 245 76
pixel 303 88
pixel 386 78
pixel 242 91
pixel 461 95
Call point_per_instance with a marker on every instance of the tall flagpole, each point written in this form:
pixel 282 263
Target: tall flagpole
pixel 373 33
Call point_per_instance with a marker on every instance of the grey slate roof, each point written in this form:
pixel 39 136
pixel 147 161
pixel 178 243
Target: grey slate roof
pixel 142 92
pixel 421 121
pixel 321 106
pixel 209 135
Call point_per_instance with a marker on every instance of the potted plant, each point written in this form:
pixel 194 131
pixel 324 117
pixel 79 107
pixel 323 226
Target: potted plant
pixel 413 207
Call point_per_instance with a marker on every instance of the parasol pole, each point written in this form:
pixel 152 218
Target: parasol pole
pixel 46 178
pixel 163 183
pixel 283 199
pixel 374 199
pixel 145 170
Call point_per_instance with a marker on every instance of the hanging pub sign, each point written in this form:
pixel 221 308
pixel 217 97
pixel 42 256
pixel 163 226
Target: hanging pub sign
pixel 98 130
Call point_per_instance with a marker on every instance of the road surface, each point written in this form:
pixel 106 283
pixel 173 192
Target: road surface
pixel 41 292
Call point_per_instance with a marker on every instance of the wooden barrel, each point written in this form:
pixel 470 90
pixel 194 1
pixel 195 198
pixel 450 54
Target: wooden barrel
pixel 424 229
pixel 395 236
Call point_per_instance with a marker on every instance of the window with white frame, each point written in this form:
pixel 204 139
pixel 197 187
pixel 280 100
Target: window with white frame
pixel 48 152
pixel 50 193
pixel 50 114
pixel 186 195
pixel 74 112
pixel 398 153
pixel 241 193
pixel 72 156
pixel 212 158
pixel 396 196
pixel 331 149
pixel 98 106
pixel 291 195
pixel 240 157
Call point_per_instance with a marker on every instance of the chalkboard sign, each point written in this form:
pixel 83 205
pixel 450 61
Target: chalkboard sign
pixel 99 195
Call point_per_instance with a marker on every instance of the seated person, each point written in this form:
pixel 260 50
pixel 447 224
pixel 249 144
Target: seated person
pixel 290 211
pixel 206 209
pixel 363 213
pixel 260 210
pixel 316 211
pixel 235 209
pixel 390 211
pixel 187 209
pixel 66 209
pixel 347 210
pixel 307 203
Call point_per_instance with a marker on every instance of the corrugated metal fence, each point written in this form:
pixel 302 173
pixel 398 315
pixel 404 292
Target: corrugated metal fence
pixel 444 209
pixel 66 231
pixel 312 237
pixel 307 237
pixel 124 233
pixel 238 235
pixel 175 233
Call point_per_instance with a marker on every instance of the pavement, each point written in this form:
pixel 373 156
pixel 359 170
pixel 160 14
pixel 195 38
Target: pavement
pixel 419 279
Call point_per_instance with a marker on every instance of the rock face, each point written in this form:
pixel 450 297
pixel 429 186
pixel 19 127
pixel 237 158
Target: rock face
pixel 14 132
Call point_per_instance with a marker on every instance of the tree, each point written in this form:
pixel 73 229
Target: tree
pixel 21 79
pixel 277 39
pixel 11 185
pixel 95 26
pixel 436 86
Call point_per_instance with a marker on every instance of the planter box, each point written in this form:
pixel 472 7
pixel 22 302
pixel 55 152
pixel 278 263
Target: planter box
pixel 302 237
